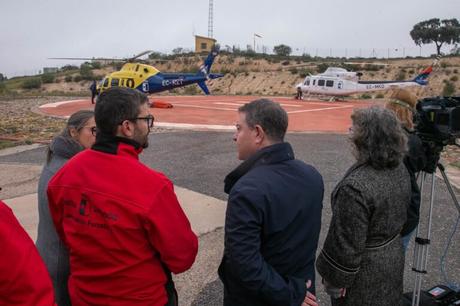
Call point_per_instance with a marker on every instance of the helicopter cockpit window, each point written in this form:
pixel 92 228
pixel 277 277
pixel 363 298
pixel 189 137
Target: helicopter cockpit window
pixel 314 82
pixel 320 82
pixel 329 83
pixel 114 82
pixel 137 68
pixel 106 83
pixel 307 82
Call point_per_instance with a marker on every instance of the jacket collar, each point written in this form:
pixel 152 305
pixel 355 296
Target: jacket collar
pixel 269 155
pixel 117 145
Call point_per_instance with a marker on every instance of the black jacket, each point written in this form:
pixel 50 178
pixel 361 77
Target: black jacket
pixel 272 227
pixel 415 161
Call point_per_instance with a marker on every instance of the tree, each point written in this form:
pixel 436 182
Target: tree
pixel 436 31
pixel 178 50
pixel 2 77
pixel 282 50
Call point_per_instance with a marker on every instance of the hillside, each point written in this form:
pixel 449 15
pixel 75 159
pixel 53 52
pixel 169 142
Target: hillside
pixel 265 76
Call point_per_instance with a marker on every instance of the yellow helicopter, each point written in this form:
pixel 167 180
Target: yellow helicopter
pixel 148 79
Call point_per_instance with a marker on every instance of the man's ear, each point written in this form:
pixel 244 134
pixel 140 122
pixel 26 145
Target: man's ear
pixel 126 129
pixel 259 133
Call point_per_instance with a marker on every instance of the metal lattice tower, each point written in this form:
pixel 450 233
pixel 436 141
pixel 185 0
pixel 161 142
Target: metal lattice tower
pixel 210 17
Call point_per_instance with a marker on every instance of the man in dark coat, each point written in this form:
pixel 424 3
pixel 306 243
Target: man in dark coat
pixel 93 89
pixel 273 215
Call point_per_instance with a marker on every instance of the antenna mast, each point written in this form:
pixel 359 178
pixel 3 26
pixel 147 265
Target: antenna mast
pixel 210 17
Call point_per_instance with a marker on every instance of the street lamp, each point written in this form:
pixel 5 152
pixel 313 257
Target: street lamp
pixel 256 35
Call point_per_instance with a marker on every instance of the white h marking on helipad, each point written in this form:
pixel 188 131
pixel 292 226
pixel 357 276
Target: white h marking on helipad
pixel 319 109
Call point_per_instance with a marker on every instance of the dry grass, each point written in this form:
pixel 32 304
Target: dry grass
pixel 18 121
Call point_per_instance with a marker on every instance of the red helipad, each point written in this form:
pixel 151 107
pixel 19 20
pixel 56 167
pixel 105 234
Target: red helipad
pixel 219 112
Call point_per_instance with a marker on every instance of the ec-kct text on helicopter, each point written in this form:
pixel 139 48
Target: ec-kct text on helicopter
pixel 338 82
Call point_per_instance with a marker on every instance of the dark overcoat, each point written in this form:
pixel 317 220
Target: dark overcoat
pixel 272 227
pixel 363 250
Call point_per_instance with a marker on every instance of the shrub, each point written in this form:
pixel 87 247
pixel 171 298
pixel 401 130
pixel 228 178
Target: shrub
pixel 322 67
pixel 86 72
pixel 48 78
pixel 77 78
pixel 304 72
pixel 96 65
pixel 454 78
pixel 191 90
pixel 293 70
pixel 32 83
pixel 2 88
pixel 379 96
pixel 68 68
pixel 366 96
pixel 400 76
pixel 449 89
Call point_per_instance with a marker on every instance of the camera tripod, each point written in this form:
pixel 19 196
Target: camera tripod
pixel 422 244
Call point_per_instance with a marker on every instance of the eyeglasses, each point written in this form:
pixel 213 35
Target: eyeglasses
pixel 150 119
pixel 93 129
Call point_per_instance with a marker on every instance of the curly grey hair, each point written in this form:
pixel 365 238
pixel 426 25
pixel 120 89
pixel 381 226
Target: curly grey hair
pixel 378 137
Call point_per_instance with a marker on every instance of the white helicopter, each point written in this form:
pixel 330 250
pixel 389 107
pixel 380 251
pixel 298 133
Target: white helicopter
pixel 338 82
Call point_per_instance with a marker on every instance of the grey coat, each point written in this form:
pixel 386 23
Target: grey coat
pixel 363 250
pixel 52 250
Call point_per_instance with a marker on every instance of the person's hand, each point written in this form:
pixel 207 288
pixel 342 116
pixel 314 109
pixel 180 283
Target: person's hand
pixel 310 298
pixel 334 292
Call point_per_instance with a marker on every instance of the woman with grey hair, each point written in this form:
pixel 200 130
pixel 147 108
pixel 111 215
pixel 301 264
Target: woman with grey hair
pixel 79 134
pixel 362 260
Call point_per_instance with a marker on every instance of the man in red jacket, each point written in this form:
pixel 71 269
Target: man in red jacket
pixel 24 279
pixel 121 220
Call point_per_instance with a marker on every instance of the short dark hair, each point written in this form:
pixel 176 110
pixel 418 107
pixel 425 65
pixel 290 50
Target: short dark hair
pixel 269 115
pixel 116 105
pixel 378 137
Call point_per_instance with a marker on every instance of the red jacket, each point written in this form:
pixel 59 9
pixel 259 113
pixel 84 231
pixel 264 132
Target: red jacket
pixel 24 279
pixel 122 223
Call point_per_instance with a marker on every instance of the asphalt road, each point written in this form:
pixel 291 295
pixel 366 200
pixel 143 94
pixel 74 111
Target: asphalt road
pixel 200 160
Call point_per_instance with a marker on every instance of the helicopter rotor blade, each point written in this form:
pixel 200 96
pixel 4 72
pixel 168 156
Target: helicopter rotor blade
pixel 139 55
pixel 88 59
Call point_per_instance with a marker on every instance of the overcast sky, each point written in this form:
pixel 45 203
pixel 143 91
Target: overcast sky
pixel 34 30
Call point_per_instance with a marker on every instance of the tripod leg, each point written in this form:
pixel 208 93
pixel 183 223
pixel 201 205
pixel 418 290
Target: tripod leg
pixel 422 244
pixel 449 186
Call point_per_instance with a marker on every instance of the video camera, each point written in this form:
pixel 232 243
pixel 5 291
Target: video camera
pixel 438 119
pixel 437 123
